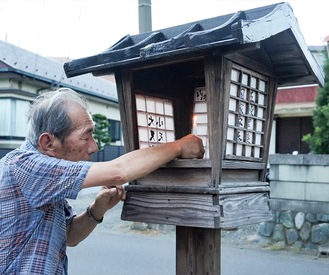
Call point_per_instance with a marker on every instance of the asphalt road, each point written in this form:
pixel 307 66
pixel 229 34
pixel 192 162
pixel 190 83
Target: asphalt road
pixel 139 254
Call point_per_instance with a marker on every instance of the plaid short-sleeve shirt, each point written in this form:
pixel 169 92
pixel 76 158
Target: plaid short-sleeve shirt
pixel 34 211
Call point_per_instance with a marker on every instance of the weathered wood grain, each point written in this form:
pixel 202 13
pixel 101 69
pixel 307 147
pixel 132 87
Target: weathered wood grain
pixel 227 188
pixel 197 250
pixel 180 177
pixel 206 163
pixel 198 177
pixel 244 209
pixel 196 210
pixel 171 208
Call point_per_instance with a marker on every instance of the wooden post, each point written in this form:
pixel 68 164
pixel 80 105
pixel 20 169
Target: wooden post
pixel 198 250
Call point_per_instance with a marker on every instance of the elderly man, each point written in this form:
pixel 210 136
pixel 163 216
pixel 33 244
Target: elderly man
pixel 52 165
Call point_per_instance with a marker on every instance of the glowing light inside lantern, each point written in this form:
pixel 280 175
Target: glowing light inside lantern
pixel 195 126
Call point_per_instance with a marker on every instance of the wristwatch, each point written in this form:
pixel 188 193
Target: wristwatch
pixel 92 218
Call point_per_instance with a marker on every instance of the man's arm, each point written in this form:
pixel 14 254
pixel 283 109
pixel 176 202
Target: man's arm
pixel 128 167
pixel 82 225
pixel 139 163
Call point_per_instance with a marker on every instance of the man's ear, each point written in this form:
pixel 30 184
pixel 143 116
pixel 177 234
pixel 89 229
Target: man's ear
pixel 46 144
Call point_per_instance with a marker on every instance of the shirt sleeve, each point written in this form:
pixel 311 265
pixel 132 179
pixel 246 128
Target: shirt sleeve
pixel 69 213
pixel 43 179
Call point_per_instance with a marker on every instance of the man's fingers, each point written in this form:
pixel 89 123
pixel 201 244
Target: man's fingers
pixel 121 193
pixel 118 191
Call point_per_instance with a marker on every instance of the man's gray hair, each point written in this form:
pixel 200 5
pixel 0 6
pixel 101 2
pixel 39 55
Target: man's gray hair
pixel 49 114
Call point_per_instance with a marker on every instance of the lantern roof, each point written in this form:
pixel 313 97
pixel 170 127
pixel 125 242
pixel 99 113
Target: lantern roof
pixel 270 35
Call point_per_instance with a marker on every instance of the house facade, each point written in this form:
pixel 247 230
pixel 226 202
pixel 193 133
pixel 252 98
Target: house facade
pixel 293 114
pixel 25 75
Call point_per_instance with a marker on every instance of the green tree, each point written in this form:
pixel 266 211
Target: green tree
pixel 101 133
pixel 319 141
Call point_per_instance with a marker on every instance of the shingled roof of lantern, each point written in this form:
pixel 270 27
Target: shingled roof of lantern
pixel 269 35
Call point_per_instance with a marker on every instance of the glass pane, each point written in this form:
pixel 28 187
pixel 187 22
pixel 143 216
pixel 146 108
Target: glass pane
pixel 161 136
pixel 261 99
pixel 169 123
pixel 259 127
pixel 20 118
pixel 258 139
pixel 239 150
pixel 235 75
pixel 200 107
pixel 170 135
pixel 260 113
pixel 168 109
pixel 232 104
pixel 248 151
pixel 142 120
pixel 231 119
pixel 245 78
pixel 241 123
pixel 229 148
pixel 143 134
pixel 200 94
pixel 200 117
pixel 155 120
pixel 13 119
pixel 262 85
pixel 230 134
pixel 247 111
pixel 159 108
pixel 253 82
pixel 150 105
pixel 234 90
pixel 140 103
pixel 5 117
pixel 250 123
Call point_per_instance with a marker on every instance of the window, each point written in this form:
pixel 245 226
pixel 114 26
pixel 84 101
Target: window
pixel 13 117
pixel 200 119
pixel 155 118
pixel 115 130
pixel 247 114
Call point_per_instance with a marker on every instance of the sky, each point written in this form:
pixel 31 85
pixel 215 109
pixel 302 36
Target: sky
pixel 80 28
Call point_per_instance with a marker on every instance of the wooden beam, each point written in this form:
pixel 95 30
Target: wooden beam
pixel 197 250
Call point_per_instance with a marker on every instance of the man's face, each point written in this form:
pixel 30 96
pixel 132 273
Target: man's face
pixel 80 144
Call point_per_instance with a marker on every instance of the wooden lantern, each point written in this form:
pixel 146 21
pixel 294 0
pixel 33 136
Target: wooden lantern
pixel 228 105
pixel 216 78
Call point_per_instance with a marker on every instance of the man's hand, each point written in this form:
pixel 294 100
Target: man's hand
pixel 192 147
pixel 106 199
pixel 81 226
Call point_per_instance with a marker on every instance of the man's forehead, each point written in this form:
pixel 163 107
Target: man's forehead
pixel 80 117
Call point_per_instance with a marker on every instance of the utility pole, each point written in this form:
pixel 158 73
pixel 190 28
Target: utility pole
pixel 326 39
pixel 145 15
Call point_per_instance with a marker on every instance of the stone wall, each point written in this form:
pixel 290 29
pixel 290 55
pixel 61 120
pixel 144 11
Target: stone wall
pixel 299 199
pixel 300 229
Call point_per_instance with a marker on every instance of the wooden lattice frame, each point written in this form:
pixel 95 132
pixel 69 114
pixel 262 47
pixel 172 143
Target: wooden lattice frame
pixel 155 120
pixel 247 114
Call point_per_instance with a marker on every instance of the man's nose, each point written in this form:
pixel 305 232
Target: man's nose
pixel 93 147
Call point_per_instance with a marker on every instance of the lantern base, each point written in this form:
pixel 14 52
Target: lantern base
pixel 203 210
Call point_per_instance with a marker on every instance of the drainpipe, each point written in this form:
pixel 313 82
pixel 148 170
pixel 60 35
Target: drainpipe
pixel 144 15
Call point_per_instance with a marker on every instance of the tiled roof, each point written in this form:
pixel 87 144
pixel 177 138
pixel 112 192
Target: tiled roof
pixel 273 30
pixel 51 71
pixel 297 94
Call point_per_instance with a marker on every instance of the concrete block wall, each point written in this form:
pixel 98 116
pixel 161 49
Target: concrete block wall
pixel 299 187
pixel 300 177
